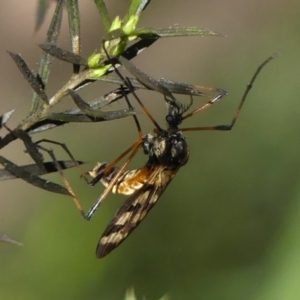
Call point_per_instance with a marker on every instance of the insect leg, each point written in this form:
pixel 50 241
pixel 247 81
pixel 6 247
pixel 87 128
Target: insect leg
pixel 66 149
pixel 135 148
pixel 129 86
pixel 65 180
pixel 220 96
pixel 136 120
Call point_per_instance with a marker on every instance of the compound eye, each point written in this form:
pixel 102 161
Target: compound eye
pixel 169 119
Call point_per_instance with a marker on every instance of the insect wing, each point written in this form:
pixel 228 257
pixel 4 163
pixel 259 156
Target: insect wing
pixel 134 210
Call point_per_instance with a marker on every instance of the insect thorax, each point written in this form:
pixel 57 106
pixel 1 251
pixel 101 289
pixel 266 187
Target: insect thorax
pixel 167 148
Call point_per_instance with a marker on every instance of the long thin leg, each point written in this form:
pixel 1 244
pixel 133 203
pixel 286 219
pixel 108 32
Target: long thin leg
pixel 133 148
pixel 136 120
pixel 58 167
pixel 65 180
pixel 66 149
pixel 209 103
pixel 129 86
pixel 94 208
pixel 111 165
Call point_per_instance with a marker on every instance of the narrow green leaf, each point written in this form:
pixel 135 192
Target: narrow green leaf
pixel 137 6
pixel 55 120
pixel 174 32
pixel 43 125
pixel 175 87
pixel 103 13
pixel 77 116
pixel 95 113
pixel 33 81
pixel 45 60
pixel 63 54
pixel 55 25
pixel 74 25
pixel 49 167
pixel 42 8
pixel 145 79
pixel 33 179
pixel 31 147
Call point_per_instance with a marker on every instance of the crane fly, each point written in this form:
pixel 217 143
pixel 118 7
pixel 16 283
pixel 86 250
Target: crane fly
pixel 167 151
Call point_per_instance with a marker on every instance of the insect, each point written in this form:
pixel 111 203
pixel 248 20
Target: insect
pixel 167 152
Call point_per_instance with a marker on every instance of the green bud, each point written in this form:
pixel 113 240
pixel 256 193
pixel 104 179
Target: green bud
pixel 95 60
pixel 97 73
pixel 130 24
pixel 116 24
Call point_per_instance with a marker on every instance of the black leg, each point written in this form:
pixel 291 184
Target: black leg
pixel 129 86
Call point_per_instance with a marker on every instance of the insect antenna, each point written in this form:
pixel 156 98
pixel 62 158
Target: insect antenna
pixel 185 107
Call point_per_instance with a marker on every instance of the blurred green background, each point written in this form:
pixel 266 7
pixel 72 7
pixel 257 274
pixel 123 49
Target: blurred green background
pixel 228 225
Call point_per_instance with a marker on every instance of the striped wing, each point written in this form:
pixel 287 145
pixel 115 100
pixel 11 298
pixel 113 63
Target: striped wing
pixel 135 209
